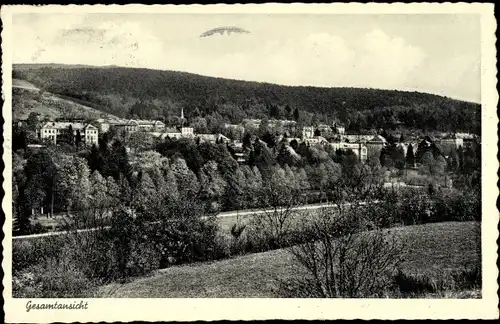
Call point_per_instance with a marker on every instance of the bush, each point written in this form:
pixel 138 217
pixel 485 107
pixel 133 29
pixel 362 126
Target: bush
pixel 452 205
pixel 421 284
pixel 345 261
pixel 413 207
pixel 51 279
pixel 26 253
pixel 144 258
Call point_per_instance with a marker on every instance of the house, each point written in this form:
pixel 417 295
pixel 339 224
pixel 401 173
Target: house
pixel 358 148
pixel 375 144
pixel 212 138
pixel 453 140
pixel 289 124
pixel 315 140
pixel 377 139
pixel 133 125
pixel 324 129
pixel 183 132
pixel 307 132
pixel 106 124
pixel 255 123
pixel 52 130
pixel 355 138
pixel 339 129
pixel 235 127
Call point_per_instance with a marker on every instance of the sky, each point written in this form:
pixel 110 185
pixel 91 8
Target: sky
pixel 436 53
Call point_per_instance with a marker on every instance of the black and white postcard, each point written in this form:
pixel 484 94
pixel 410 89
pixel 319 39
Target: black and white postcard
pixel 246 162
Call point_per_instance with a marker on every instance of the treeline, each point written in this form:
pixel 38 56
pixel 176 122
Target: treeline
pixel 64 179
pixel 144 93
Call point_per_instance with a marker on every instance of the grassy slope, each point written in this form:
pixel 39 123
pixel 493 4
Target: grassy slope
pixel 433 248
pixel 50 105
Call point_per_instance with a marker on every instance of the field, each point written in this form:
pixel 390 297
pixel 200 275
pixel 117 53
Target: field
pixel 433 249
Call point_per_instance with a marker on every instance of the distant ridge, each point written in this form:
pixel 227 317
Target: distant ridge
pixel 121 90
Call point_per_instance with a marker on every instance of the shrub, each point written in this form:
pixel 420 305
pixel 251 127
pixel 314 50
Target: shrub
pixel 421 284
pixel 144 258
pixel 51 279
pixel 26 253
pixel 345 261
pixel 456 206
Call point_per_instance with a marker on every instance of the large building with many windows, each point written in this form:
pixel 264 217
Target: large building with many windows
pixel 53 131
pixel 359 149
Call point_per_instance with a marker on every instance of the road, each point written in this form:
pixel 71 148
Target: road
pixel 220 215
pixel 21 84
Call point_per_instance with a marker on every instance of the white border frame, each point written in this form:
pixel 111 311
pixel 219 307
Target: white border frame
pixel 150 309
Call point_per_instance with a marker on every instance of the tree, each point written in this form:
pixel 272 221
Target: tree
pixel 296 114
pixel 274 111
pixel 32 121
pixel 146 196
pixel 116 161
pixel 269 139
pixel 73 184
pixel 262 158
pixel 427 162
pixel 453 162
pixel 200 125
pixel 234 193
pixel 278 198
pixel 171 185
pixel 263 127
pixel 69 137
pixel 78 139
pixel 253 184
pixel 285 157
pixel 140 141
pixel 40 172
pixel 148 160
pixel 343 259
pixel 399 157
pixel 212 185
pixel 288 110
pixel 19 139
pixel 410 156
pixel 439 166
pixel 302 180
pixel 247 141
pixel 98 198
pixel 187 182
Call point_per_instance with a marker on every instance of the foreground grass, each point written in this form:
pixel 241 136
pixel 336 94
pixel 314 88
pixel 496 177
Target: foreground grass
pixel 433 249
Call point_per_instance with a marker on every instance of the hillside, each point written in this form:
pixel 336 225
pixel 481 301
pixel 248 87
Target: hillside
pixel 27 98
pixel 433 250
pixel 153 94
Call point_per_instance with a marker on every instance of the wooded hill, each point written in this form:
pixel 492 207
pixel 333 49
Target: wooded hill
pixel 146 93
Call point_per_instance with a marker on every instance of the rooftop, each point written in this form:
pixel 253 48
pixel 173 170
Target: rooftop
pixel 64 125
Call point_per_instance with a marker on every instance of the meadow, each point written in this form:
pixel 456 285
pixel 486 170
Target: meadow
pixel 439 257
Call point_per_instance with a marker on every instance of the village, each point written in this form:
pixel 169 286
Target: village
pixel 288 132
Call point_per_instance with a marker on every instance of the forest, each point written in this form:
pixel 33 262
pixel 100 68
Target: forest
pixel 154 94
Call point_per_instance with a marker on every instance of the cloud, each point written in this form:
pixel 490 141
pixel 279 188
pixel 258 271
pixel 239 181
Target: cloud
pixel 320 59
pixel 376 59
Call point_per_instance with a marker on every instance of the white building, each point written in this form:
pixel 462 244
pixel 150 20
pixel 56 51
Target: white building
pixel 359 149
pixel 212 138
pixel 452 139
pixel 52 130
pixel 316 140
pixel 340 130
pixel 307 132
